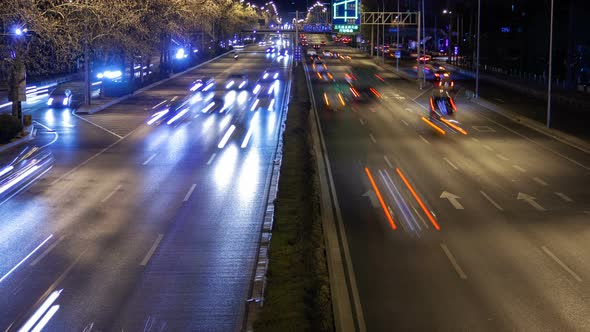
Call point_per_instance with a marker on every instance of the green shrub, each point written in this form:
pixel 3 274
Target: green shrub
pixel 9 128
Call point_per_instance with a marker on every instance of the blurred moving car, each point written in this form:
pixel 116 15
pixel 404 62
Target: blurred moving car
pixel 202 83
pixel 28 166
pixel 236 81
pixel 60 97
pixel 443 80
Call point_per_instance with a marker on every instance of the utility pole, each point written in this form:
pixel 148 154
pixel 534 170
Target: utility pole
pixel 477 55
pixel 383 51
pixel 550 67
pixel 420 70
pixel 397 39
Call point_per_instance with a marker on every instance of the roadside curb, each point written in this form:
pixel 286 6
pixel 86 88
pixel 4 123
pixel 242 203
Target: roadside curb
pixel 92 110
pixel 29 137
pixel 258 284
pixel 558 135
pixel 346 306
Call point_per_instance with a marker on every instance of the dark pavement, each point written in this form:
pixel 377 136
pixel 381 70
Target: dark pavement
pixel 143 227
pixel 511 205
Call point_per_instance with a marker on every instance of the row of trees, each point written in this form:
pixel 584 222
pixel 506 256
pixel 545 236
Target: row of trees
pixel 55 35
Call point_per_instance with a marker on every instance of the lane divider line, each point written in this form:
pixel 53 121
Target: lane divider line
pixel 502 157
pixel 189 193
pixel 564 197
pixel 149 254
pixel 424 139
pixel 540 181
pixel 47 251
pixel 417 198
pixel 111 194
pixel 518 168
pixel 561 263
pixel 453 261
pixel 373 138
pixel 26 257
pixel 450 163
pixel 149 159
pixel 487 147
pixel 404 122
pixel 491 201
pixel 211 159
pixel 380 198
pixel 388 162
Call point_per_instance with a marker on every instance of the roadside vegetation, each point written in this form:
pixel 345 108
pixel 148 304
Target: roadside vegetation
pixel 10 127
pixel 297 294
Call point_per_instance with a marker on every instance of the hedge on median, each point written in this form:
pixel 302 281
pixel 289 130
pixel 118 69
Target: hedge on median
pixel 9 128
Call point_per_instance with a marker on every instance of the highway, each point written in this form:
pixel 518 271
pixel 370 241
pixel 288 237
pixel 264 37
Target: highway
pixel 482 231
pixel 143 226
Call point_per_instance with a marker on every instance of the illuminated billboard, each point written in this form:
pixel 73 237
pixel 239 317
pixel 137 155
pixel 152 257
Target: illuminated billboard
pixel 346 13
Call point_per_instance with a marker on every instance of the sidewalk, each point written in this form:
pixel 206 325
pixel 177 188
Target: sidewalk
pixel 535 89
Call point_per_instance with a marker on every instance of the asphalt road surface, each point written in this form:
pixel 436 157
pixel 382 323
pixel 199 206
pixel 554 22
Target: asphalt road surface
pixel 482 231
pixel 146 227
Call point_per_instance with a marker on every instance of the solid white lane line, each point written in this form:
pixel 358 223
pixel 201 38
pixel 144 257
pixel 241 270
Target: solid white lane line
pixel 453 261
pixel 502 157
pixel 487 147
pixel 492 201
pixel 564 197
pixel 149 254
pixel 51 247
pixel 362 121
pixel 562 264
pixel 372 138
pixel 424 139
pixel 111 194
pixel 540 181
pixel 404 122
pixel 149 159
pixel 211 159
pixel 388 162
pixel 24 259
pixel 519 168
pixel 190 192
pixel 450 163
pixel 98 126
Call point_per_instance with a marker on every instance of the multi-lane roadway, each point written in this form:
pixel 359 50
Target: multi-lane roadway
pixel 147 227
pixel 485 230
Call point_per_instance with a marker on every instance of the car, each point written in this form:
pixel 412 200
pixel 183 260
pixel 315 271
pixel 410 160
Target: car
pixel 271 50
pixel 443 80
pixel 316 46
pixel 60 97
pixel 236 81
pixel 269 76
pixel 327 53
pixel 319 65
pixel 29 165
pixel 424 58
pixel 202 83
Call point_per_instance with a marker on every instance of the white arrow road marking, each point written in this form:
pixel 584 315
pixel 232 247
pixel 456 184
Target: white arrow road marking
pixel 453 261
pixel 491 201
pixel 540 181
pixel 452 199
pixel 531 200
pixel 372 197
pixel 564 197
pixel 562 264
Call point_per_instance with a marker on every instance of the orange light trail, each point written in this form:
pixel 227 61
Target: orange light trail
pixel 354 92
pixel 435 127
pixel 341 99
pixel 326 99
pixel 378 193
pixel 375 92
pixel 431 104
pixel 380 78
pixel 453 104
pixel 432 220
pixel 454 126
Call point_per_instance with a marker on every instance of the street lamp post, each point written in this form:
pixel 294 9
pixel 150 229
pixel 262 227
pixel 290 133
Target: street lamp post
pixel 18 81
pixel 397 39
pixel 550 71
pixel 477 52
